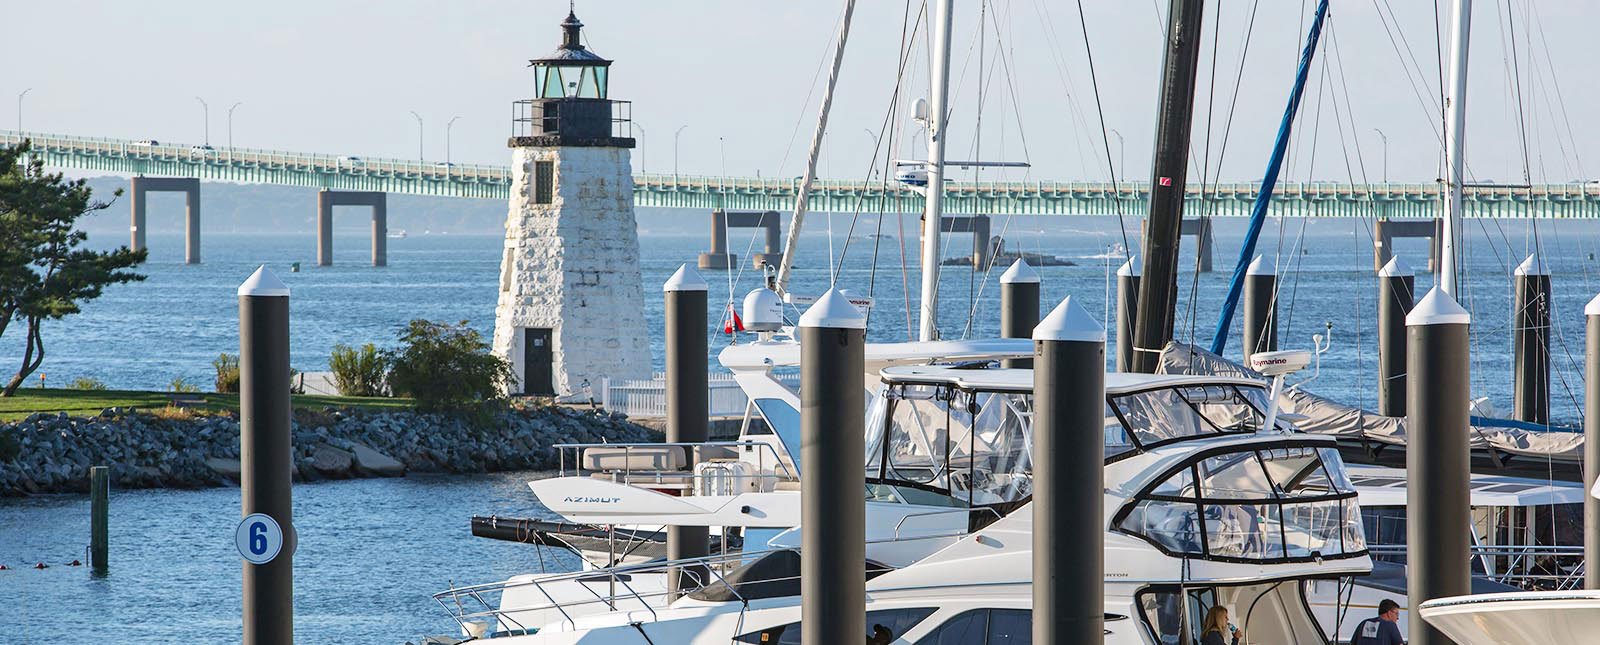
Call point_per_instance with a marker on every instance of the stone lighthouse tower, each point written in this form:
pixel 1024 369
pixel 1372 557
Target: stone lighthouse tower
pixel 571 309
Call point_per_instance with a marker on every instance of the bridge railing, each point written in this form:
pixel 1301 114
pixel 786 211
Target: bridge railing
pixel 203 155
pixel 998 197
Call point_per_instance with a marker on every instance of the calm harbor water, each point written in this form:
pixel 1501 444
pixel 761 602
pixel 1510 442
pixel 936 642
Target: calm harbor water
pixel 373 550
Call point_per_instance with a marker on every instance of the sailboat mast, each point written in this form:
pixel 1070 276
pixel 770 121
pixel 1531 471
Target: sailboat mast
pixel 803 193
pixel 1158 292
pixel 1455 134
pixel 933 209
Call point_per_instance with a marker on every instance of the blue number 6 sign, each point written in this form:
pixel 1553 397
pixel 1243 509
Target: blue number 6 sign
pixel 259 538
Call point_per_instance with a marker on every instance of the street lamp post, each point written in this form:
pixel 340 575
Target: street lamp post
pixel 1122 155
pixel 874 169
pixel 1385 154
pixel 419 134
pixel 675 151
pixel 19 108
pixel 206 112
pixel 447 125
pixel 230 123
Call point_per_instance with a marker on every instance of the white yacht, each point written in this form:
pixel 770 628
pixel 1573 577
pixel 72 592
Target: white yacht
pixel 1203 507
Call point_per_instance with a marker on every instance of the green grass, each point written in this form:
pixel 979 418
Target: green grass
pixel 90 402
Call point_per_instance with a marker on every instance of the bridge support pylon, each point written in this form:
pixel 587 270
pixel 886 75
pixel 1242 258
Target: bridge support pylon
pixel 379 201
pixel 1200 229
pixel 190 187
pixel 1384 232
pixel 983 246
pixel 719 257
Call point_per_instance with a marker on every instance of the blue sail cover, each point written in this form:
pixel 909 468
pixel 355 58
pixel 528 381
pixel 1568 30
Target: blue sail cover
pixel 1258 212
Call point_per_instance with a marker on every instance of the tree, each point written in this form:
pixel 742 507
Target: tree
pixel 447 367
pixel 44 274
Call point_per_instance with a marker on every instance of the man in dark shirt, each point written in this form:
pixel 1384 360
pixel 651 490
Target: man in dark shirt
pixel 1383 629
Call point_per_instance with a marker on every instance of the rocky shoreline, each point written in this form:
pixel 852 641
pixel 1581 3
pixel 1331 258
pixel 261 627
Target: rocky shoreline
pixel 53 452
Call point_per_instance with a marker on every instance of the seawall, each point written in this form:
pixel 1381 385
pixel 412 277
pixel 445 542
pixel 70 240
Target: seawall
pixel 49 453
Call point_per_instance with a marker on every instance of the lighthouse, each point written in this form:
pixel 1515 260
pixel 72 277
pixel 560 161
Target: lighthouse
pixel 570 309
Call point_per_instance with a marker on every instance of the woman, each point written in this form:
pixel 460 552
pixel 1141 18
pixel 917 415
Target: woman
pixel 1217 629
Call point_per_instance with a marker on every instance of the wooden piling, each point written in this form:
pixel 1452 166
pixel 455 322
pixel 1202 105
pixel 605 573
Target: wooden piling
pixel 99 517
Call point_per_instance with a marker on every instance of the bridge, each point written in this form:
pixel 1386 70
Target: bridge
pixel 353 173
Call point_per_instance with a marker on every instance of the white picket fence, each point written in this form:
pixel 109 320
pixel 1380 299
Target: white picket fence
pixel 647 398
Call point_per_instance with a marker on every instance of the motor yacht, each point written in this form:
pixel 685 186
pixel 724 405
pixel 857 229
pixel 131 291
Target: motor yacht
pixel 1204 506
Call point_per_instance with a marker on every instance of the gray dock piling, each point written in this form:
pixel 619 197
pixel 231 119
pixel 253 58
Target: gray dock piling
pixel 1396 294
pixel 1437 457
pixel 1069 482
pixel 1127 311
pixel 99 517
pixel 688 409
pixel 1530 342
pixel 833 522
pixel 1260 308
pixel 265 451
pixel 1019 306
pixel 1591 445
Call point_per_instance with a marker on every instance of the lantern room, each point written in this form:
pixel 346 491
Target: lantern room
pixel 571 104
pixel 571 71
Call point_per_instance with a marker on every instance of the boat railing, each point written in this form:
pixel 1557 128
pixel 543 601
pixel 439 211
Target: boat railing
pixel 765 455
pixel 1525 566
pixel 478 608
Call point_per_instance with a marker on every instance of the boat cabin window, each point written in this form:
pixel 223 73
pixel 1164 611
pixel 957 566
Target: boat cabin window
pixel 976 446
pixel 1282 502
pixel 983 627
pixel 1162 415
pixel 883 626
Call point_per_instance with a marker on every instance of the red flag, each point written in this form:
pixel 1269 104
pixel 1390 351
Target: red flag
pixel 734 323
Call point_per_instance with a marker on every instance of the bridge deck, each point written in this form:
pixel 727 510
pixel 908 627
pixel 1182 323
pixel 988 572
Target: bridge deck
pixel 346 172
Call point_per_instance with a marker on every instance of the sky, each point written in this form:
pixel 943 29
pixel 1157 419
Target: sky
pixel 732 86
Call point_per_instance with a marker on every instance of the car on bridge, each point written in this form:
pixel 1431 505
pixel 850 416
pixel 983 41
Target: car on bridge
pixel 351 162
pixel 147 143
pixel 202 151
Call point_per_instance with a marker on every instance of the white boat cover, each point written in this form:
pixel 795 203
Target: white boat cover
pixel 1325 416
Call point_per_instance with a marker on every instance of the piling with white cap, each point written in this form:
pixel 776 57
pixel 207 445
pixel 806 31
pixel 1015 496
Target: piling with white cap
pixel 1396 296
pixel 1127 311
pixel 1260 308
pixel 1591 444
pixel 1437 456
pixel 1019 305
pixel 1530 342
pixel 266 452
pixel 688 412
pixel 1069 394
pixel 833 521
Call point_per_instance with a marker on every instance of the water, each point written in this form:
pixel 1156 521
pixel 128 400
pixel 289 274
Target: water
pixel 144 335
pixel 372 551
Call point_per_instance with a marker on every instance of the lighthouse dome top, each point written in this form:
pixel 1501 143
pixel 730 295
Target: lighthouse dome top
pixel 571 52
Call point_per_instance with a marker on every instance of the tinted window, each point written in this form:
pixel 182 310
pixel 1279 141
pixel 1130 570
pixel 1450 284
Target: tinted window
pixel 883 626
pixel 984 626
pixel 1010 627
pixel 966 628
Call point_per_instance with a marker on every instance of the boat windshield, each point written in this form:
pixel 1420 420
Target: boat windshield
pixel 976 444
pixel 1287 501
pixel 1163 415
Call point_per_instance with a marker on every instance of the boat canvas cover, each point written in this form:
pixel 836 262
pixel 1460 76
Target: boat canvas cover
pixel 1326 416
